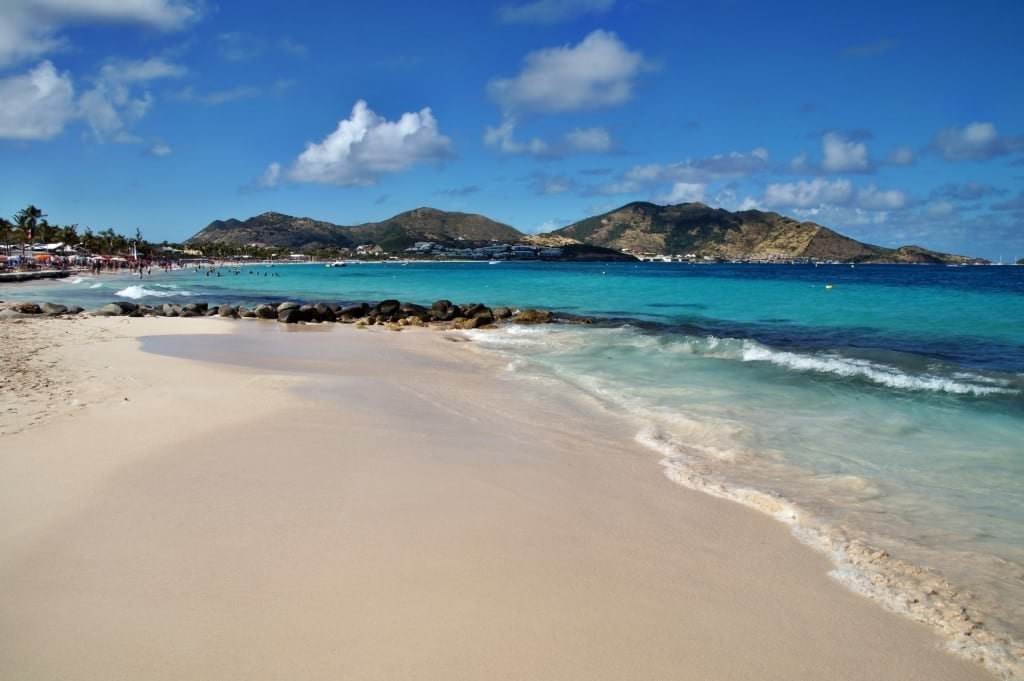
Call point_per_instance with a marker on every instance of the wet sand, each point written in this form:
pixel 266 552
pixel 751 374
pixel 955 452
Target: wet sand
pixel 247 501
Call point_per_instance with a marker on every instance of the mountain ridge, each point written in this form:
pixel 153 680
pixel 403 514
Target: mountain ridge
pixel 687 230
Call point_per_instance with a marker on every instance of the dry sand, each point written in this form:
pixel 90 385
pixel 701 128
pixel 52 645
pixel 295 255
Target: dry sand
pixel 328 503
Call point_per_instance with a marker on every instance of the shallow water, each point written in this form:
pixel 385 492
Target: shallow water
pixel 878 409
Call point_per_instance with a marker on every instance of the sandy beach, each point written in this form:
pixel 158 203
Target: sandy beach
pixel 242 500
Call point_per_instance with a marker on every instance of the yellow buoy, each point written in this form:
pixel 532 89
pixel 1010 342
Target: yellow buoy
pixel 828 285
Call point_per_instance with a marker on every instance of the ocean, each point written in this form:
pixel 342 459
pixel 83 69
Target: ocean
pixel 877 410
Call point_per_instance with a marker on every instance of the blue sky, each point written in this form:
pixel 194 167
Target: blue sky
pixel 891 122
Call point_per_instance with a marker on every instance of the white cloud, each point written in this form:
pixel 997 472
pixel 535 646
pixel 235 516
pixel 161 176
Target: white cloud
pixel 37 104
pixel 590 140
pixel 112 106
pixel 684 192
pixel 843 156
pixel 270 177
pixel 576 141
pixel 808 194
pixel 975 142
pixel 873 198
pixel 365 145
pixel 597 73
pixel 159 149
pixel 901 156
pixel 551 11
pixel 734 165
pixel 32 28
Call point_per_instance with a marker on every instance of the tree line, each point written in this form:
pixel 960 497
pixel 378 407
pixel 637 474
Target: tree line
pixel 30 226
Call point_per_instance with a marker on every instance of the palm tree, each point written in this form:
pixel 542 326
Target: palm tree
pixel 27 218
pixel 6 231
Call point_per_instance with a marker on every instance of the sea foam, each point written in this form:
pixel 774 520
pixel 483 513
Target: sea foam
pixel 136 292
pixel 961 383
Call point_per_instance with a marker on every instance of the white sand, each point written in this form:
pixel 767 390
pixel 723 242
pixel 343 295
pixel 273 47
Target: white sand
pixel 378 505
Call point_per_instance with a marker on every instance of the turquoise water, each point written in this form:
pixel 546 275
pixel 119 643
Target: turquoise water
pixel 879 410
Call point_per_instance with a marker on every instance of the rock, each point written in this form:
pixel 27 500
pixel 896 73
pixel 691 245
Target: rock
pixel 198 308
pixel 226 310
pixel 474 322
pixel 532 316
pixel 116 309
pixel 324 312
pixel 53 308
pixel 245 313
pixel 502 312
pixel 387 308
pixel 27 308
pixel 290 315
pixel 308 313
pixel 287 306
pixel 470 310
pixel 264 311
pixel 171 310
pixel 413 310
pixel 352 312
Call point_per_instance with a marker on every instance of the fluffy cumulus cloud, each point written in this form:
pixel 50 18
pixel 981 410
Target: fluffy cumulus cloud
pixel 118 99
pixel 551 11
pixel 36 105
pixel 599 72
pixel 975 142
pixel 840 155
pixel 30 29
pixel 363 146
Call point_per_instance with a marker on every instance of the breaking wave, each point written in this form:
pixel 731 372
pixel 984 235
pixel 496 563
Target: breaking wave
pixel 961 383
pixel 138 292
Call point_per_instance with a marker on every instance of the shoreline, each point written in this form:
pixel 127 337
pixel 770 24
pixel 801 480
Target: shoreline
pixel 394 487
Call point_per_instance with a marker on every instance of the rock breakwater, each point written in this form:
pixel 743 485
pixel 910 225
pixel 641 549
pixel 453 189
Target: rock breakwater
pixel 393 313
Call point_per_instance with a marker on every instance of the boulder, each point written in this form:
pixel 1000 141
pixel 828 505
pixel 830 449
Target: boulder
pixel 532 316
pixel 289 315
pixel 53 308
pixel 387 308
pixel 27 308
pixel 353 312
pixel 325 312
pixel 264 311
pixel 226 310
pixel 116 309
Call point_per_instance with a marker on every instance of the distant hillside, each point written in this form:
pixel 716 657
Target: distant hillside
pixel 702 231
pixel 393 234
pixel 683 230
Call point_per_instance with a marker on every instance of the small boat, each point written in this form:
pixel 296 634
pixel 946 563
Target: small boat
pixel 337 263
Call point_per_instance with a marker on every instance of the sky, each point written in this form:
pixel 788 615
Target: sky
pixel 890 122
